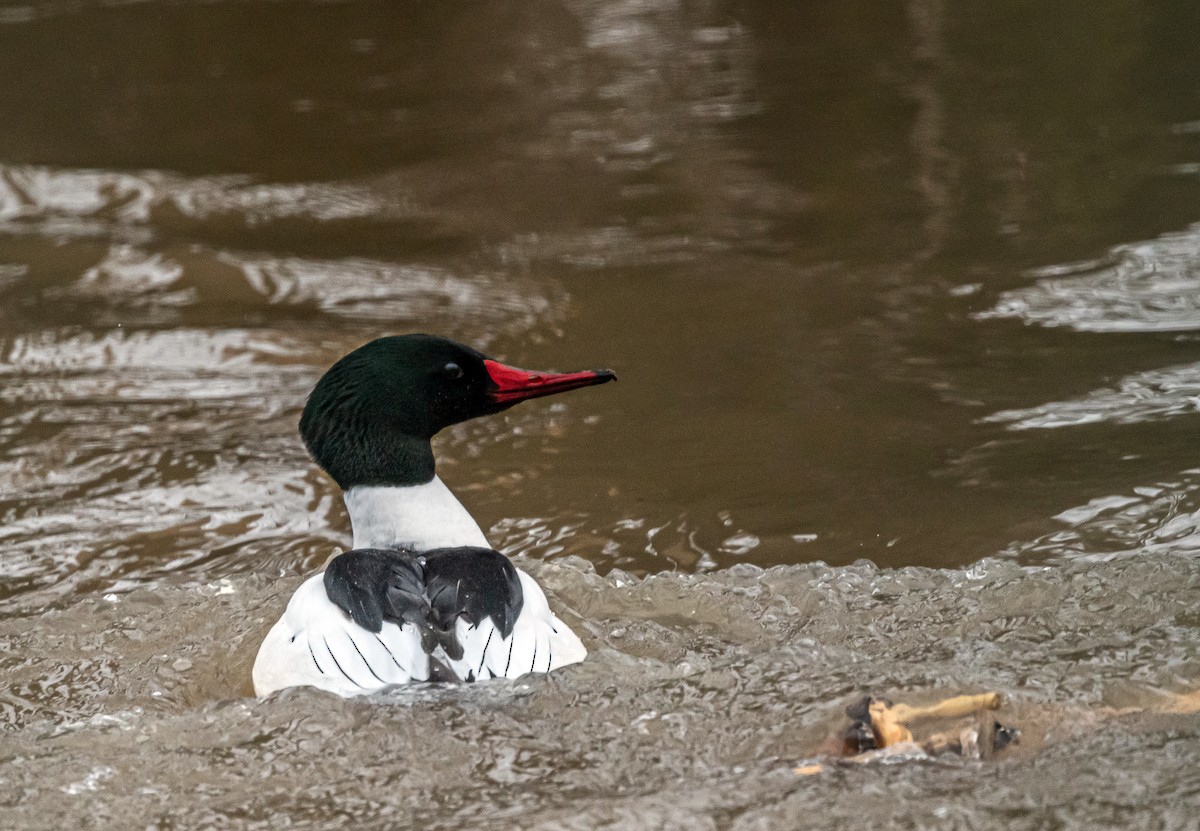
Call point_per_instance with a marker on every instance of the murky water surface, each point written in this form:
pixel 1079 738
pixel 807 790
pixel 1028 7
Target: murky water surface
pixel 903 297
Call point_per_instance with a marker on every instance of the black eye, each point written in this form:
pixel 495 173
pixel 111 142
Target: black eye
pixel 452 371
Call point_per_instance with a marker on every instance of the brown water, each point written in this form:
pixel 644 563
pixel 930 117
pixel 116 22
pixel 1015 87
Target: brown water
pixel 905 283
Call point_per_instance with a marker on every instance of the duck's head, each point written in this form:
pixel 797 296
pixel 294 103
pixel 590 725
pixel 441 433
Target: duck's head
pixel 369 419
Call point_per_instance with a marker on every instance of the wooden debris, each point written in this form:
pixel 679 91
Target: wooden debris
pixel 881 729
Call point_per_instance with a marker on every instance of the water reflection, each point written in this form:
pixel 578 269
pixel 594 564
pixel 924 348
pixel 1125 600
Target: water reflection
pixel 1146 287
pixel 759 213
pixel 1145 396
pixel 682 544
pixel 127 453
pixel 34 199
pixel 160 277
pixel 1160 518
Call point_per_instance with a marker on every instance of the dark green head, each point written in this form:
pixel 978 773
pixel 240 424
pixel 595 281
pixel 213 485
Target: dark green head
pixel 369 419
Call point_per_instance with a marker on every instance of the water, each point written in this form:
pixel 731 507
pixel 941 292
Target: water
pixel 903 301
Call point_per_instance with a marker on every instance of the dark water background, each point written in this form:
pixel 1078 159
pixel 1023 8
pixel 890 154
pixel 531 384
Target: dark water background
pixel 909 282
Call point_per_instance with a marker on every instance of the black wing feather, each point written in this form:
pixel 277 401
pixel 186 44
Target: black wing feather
pixel 431 590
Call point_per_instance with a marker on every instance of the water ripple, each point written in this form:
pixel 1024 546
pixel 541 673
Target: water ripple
pixel 388 291
pixel 1146 396
pixel 125 453
pixel 143 275
pixel 58 200
pixel 1147 287
pixel 1161 519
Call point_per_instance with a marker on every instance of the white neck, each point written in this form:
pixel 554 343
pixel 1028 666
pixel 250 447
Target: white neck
pixel 416 517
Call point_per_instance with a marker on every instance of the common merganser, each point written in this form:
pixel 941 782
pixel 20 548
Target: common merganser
pixel 422 595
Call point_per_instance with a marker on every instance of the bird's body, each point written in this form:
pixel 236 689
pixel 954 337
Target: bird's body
pixel 421 595
pixel 317 644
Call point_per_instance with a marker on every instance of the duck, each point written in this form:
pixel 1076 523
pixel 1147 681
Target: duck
pixel 421 595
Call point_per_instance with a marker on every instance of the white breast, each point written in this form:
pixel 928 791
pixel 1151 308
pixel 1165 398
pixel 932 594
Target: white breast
pixel 416 517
